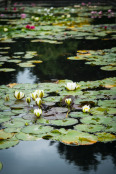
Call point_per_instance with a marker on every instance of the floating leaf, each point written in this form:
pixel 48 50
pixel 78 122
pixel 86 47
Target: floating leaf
pixel 12 130
pixel 96 120
pixel 4 118
pixel 7 69
pixel 37 129
pixel 4 144
pixel 89 128
pixel 4 135
pixel 1 166
pixel 78 114
pixel 105 137
pixel 14 124
pixel 26 137
pixel 78 138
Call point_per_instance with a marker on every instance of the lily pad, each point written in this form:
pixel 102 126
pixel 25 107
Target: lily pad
pixel 105 137
pixel 26 137
pixel 14 124
pixel 4 144
pixel 89 128
pixel 78 138
pixel 4 135
pixel 37 129
pixel 97 120
pixel 1 166
pixel 64 122
pixel 12 130
pixel 78 114
pixel 7 69
pixel 4 118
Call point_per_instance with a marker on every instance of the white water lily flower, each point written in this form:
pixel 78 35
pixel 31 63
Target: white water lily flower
pixel 5 29
pixel 36 18
pixel 38 112
pixel 71 86
pixel 68 101
pixel 40 93
pixel 38 101
pixel 86 108
pixel 19 95
pixel 34 95
pixel 28 99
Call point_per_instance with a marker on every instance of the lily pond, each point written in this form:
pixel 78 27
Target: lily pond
pixel 58 89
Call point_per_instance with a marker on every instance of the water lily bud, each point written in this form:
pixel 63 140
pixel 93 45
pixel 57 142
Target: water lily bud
pixel 28 99
pixel 68 101
pixel 38 101
pixel 34 95
pixel 40 93
pixel 26 124
pixel 5 29
pixel 38 112
pixel 19 95
pixel 71 86
pixel 7 98
pixel 86 108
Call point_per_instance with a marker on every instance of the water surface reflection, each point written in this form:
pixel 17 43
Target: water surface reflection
pixel 46 156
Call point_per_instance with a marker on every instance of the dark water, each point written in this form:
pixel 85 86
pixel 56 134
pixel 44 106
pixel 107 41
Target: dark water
pixel 46 156
pixel 55 63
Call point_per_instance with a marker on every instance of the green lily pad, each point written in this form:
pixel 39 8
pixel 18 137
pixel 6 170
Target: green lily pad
pixel 108 68
pixel 26 137
pixel 111 128
pixel 4 118
pixel 4 144
pixel 14 124
pixel 105 137
pixel 29 116
pixel 112 111
pixel 78 114
pixel 64 122
pixel 26 65
pixel 89 128
pixel 1 166
pixel 4 135
pixel 107 103
pixel 96 120
pixel 19 111
pixel 12 130
pixel 78 138
pixel 98 111
pixel 7 69
pixel 52 99
pixel 37 129
pixel 17 106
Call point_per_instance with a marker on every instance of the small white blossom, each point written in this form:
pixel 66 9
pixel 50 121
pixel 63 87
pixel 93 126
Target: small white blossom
pixel 38 101
pixel 19 95
pixel 38 112
pixel 86 108
pixel 71 86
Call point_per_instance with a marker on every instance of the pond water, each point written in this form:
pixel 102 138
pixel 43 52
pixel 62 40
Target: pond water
pixel 45 156
pixel 20 46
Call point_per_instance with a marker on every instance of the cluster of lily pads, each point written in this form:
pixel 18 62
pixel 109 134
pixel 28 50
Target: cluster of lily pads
pixel 105 58
pixel 73 113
